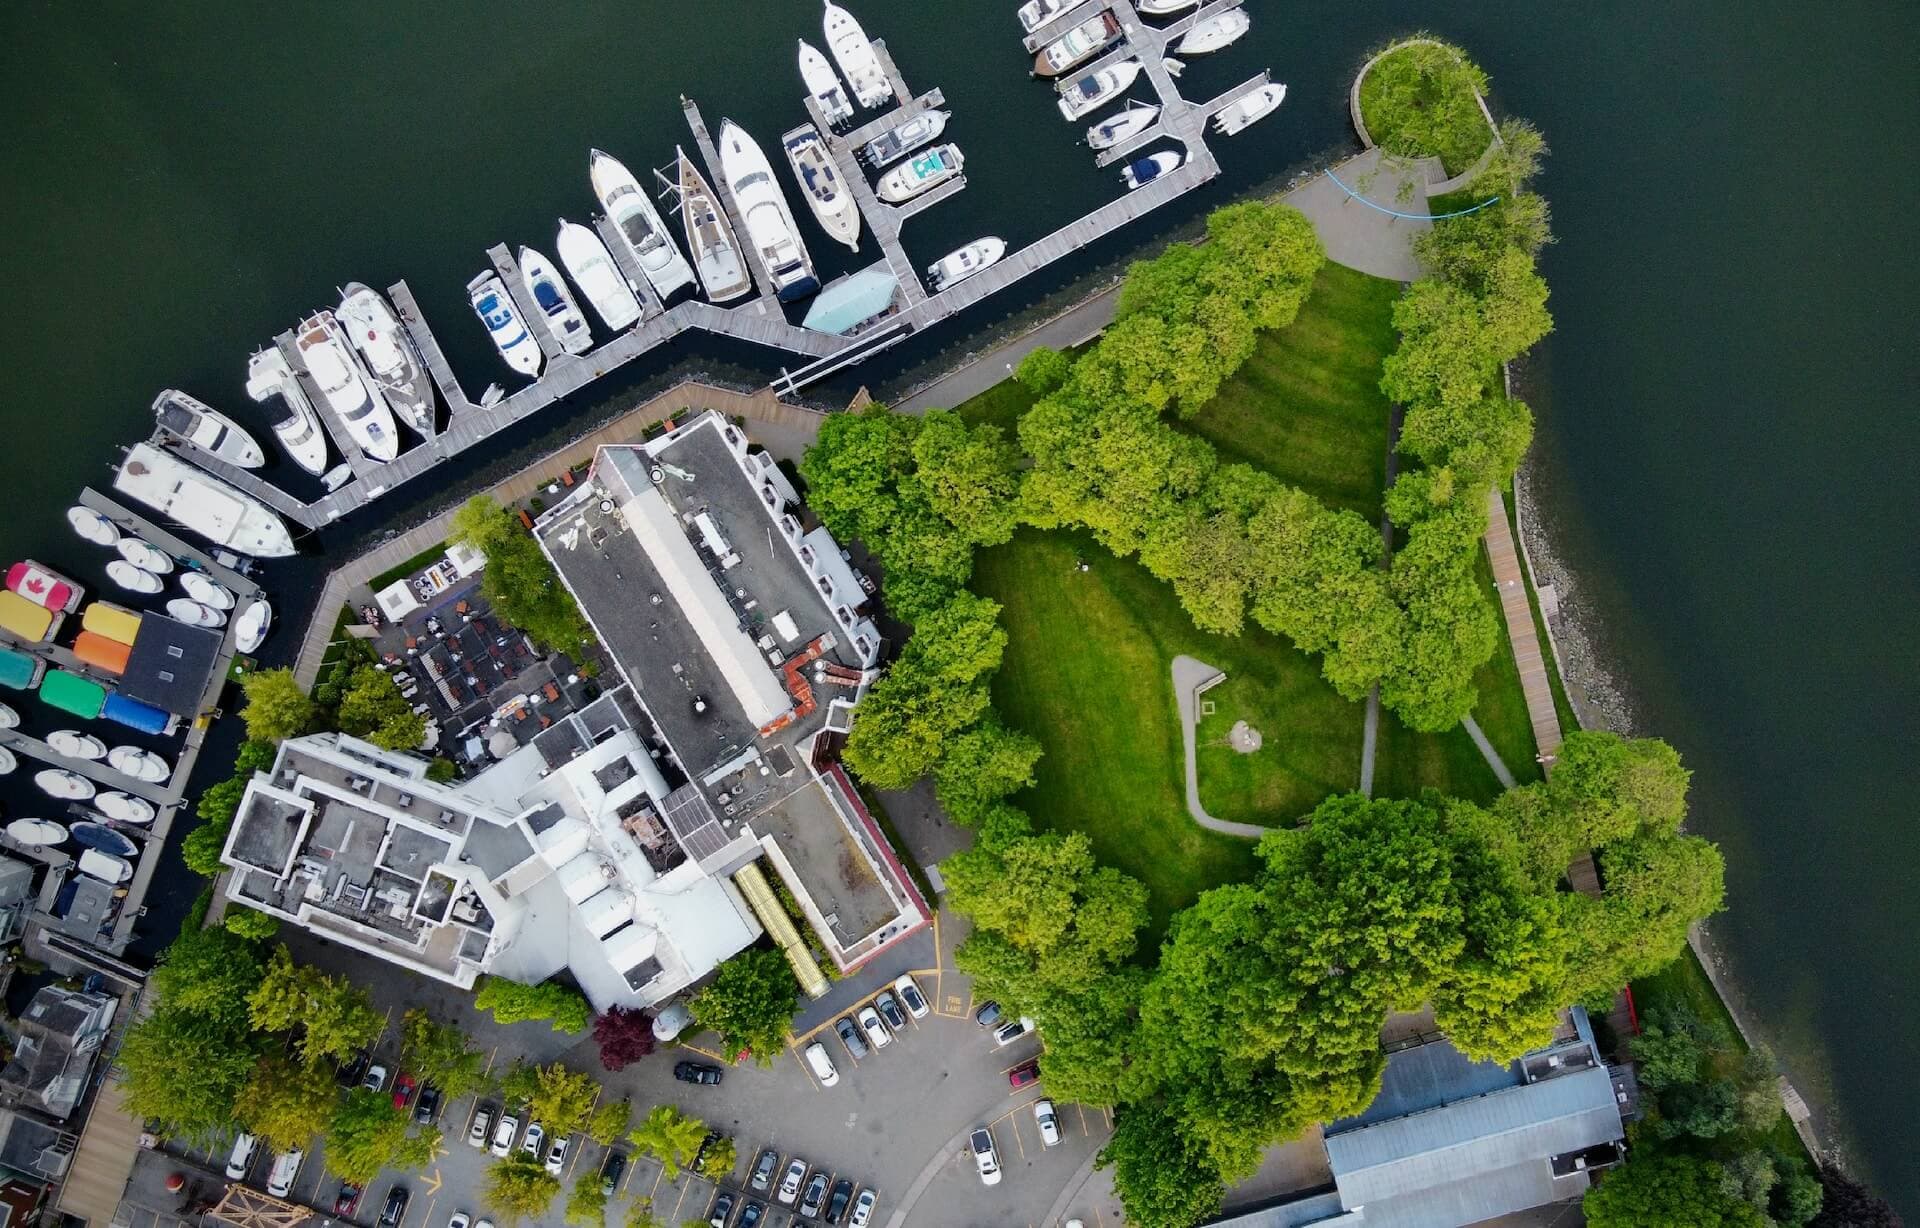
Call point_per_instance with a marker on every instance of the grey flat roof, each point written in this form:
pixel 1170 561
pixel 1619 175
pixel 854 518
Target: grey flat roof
pixel 171 664
pixel 1426 1077
pixel 496 849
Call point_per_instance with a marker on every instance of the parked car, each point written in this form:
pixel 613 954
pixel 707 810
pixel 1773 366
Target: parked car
pixel 909 991
pixel 610 1170
pixel 863 1209
pixel 535 1140
pixel 822 1064
pixel 355 1069
pixel 403 1091
pixel 816 1193
pixel 706 1144
pixel 876 1031
pixel 376 1078
pixel 1048 1121
pixel 1024 1074
pixel 985 1157
pixel 504 1134
pixel 1007 1033
pixel 557 1154
pixel 722 1210
pixel 347 1201
pixel 850 1037
pixel 790 1182
pixel 838 1200
pixel 482 1123
pixel 764 1165
pixel 286 1166
pixel 461 1220
pixel 889 1008
pixel 396 1208
pixel 988 1014
pixel 426 1110
pixel 704 1074
pixel 751 1215
pixel 245 1148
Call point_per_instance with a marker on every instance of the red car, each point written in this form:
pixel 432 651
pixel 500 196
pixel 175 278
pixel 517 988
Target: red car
pixel 403 1091
pixel 1023 1074
pixel 347 1201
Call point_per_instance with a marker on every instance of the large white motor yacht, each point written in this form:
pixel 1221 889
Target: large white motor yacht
pixel 355 400
pixel 270 382
pixel 388 354
pixel 854 54
pixel 922 173
pixel 640 226
pixel 198 423
pixel 823 85
pixel 202 503
pixel 488 296
pixel 591 266
pixel 829 198
pixel 771 234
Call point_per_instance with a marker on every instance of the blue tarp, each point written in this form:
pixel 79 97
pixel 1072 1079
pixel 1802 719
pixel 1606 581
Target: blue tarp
pixel 847 304
pixel 134 714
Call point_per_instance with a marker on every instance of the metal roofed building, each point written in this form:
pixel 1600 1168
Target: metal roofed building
pixel 560 858
pixel 171 664
pixel 743 634
pixel 1451 1142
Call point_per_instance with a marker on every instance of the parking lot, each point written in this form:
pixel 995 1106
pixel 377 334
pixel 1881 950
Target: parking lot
pixel 896 1121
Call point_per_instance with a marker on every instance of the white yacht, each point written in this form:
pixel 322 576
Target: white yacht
pixel 270 382
pixel 716 249
pixel 7 764
pixel 134 579
pixel 1256 104
pixel 198 423
pixel 1085 95
pixel 9 719
pixel 105 866
pixel 550 294
pixel 488 297
pixel 139 764
pixel 356 402
pixel 389 356
pixel 1220 30
pixel 823 85
pixel 922 173
pixel 1077 45
pixel 640 226
pixel 592 268
pixel 1123 127
pixel 1142 171
pixel 202 503
pixel 854 54
pixel 206 590
pixel 958 265
pixel 250 628
pixel 1036 13
pixel 830 199
pixel 1163 8
pixel 771 235
pixel 902 139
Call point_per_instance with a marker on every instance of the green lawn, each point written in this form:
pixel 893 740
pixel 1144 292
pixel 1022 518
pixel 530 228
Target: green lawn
pixel 1000 405
pixel 1307 406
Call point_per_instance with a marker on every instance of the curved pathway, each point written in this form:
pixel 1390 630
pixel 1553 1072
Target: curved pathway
pixel 1190 677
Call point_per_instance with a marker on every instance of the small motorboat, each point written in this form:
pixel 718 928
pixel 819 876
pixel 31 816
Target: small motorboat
pixel 387 354
pixel 146 557
pixel 290 413
pixel 902 139
pixel 1163 8
pixel 550 294
pixel 73 744
pixel 139 764
pixel 1220 30
pixel 1144 171
pixel 251 627
pixel 101 838
pixel 7 761
pixel 37 833
pixel 1242 112
pixel 134 579
pixel 823 85
pixel 1077 45
pixel 206 590
pixel 9 719
pixel 592 268
pixel 922 173
pixel 1036 13
pixel 195 421
pixel 1122 127
pixel 830 199
pixel 488 297
pixel 44 586
pixel 105 866
pixel 854 53
pixel 124 807
pixel 59 782
pixel 192 613
pixel 1085 95
pixel 92 526
pixel 962 263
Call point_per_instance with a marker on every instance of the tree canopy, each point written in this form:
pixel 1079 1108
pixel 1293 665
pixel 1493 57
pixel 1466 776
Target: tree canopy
pixel 669 1136
pixel 441 1054
pixel 519 1186
pixel 183 1070
pixel 1668 1191
pixel 512 1002
pixel 209 972
pixel 750 1002
pixel 562 1099
pixel 368 1134
pixel 332 1016
pixel 624 1037
pixel 518 580
pixel 276 706
pixel 285 1104
pixel 372 708
pixel 932 694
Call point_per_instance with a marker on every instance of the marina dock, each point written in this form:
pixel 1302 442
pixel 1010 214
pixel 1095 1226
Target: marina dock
pixel 763 320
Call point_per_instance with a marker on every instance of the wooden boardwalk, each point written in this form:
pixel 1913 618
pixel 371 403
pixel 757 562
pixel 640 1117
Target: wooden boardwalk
pixel 1527 654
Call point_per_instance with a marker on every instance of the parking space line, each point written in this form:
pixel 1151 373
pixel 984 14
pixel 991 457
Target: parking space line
pixel 426 1217
pixel 708 1053
pixel 1081 1109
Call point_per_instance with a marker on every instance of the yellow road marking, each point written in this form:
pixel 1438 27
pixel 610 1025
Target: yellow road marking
pixel 724 1061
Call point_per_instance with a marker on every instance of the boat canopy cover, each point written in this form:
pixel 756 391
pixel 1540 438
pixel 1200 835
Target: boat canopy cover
pixel 135 715
pixel 23 618
pixel 102 653
pixel 18 670
pixel 72 693
pixel 111 621
pixel 846 305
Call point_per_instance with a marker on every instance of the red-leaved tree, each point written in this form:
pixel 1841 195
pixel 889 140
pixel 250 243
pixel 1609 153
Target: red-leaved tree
pixel 624 1036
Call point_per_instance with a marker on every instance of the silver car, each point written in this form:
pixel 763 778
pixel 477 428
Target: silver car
pixel 790 1182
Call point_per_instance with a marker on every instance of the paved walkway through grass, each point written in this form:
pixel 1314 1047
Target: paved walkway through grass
pixel 1190 677
pixel 1527 656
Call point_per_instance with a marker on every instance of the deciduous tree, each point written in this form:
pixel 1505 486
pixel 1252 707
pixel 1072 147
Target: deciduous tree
pixel 981 766
pixel 587 1202
pixel 372 708
pixel 512 1002
pixel 518 580
pixel 624 1036
pixel 518 1187
pixel 610 1121
pixel 276 707
pixel 183 1071
pixel 208 972
pixel 1668 1190
pixel 368 1134
pixel 669 1136
pixel 1163 1180
pixel 1849 1204
pixel 441 1054
pixel 562 1099
pixel 285 1104
pixel 332 1016
pixel 750 1002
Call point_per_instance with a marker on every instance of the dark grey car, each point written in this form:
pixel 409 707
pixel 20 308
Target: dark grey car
pixel 850 1037
pixel 890 1010
pixel 816 1193
pixel 762 1178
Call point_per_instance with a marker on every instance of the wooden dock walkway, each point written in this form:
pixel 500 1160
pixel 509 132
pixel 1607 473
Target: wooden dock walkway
pixel 717 179
pixel 1527 654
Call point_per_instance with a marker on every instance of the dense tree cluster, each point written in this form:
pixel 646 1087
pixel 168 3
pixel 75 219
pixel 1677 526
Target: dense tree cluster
pixel 184 1064
pixel 518 580
pixel 330 1016
pixel 624 1036
pixel 372 707
pixel 936 692
pixel 1420 100
pixel 513 1002
pixel 750 1001
pixel 441 1054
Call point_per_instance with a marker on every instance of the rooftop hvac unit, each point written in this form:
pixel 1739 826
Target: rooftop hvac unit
pixel 606 505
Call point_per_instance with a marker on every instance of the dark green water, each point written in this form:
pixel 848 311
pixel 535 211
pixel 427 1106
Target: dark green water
pixel 1725 439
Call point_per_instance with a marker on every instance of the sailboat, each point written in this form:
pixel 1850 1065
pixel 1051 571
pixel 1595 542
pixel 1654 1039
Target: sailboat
pixel 639 225
pixel 716 249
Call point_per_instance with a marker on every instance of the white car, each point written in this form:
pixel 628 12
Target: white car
pixel 985 1157
pixel 1007 1033
pixel 557 1155
pixel 477 1132
pixel 822 1064
pixel 285 1168
pixel 536 1135
pixel 863 1209
pixel 910 995
pixel 876 1031
pixel 504 1134
pixel 244 1149
pixel 460 1220
pixel 790 1182
pixel 1048 1121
